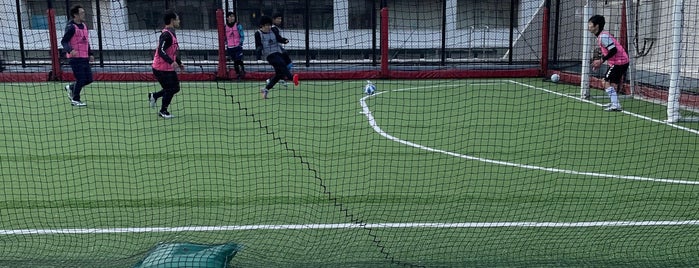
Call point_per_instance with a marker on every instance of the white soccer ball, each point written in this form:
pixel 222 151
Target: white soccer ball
pixel 370 88
pixel 555 78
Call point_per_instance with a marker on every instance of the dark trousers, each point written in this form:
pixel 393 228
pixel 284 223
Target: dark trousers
pixel 236 55
pixel 83 75
pixel 170 84
pixel 280 70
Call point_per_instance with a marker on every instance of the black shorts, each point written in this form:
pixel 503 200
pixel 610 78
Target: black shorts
pixel 615 73
pixel 167 79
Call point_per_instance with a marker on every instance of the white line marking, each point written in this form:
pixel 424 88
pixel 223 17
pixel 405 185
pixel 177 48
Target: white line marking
pixel 351 226
pixel 372 122
pixel 693 131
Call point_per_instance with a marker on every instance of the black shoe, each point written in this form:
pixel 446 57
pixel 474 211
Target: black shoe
pixel 77 103
pixel 165 114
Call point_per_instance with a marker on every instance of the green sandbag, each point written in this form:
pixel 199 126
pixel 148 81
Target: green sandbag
pixel 189 255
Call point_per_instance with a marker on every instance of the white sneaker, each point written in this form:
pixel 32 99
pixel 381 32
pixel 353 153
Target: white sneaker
pixel 151 100
pixel 281 82
pixel 77 103
pixel 165 115
pixel 613 108
pixel 70 92
pixel 607 105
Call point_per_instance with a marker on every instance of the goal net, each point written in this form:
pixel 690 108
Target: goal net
pixel 658 36
pixel 464 155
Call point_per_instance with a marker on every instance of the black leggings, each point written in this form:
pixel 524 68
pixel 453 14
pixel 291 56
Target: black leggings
pixel 82 73
pixel 280 69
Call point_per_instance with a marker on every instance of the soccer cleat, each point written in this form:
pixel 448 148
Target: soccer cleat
pixel 296 80
pixel 264 92
pixel 70 92
pixel 151 100
pixel 612 108
pixel 165 114
pixel 77 103
pixel 607 105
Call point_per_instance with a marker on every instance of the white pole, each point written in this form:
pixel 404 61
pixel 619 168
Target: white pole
pixel 585 72
pixel 673 98
pixel 631 48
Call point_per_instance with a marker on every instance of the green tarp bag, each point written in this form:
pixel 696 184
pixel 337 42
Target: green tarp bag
pixel 189 255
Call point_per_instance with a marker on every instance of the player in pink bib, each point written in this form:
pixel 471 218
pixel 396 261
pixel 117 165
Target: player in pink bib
pixel 76 45
pixel 165 62
pixel 235 36
pixel 616 57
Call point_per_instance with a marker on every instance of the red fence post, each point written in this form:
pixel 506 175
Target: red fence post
pixel 545 39
pixel 623 36
pixel 56 73
pixel 384 43
pixel 222 72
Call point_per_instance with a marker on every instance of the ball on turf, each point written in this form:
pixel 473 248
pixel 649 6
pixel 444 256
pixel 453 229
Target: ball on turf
pixel 555 78
pixel 370 88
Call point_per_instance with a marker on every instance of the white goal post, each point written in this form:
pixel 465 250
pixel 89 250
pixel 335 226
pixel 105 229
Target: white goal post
pixel 662 43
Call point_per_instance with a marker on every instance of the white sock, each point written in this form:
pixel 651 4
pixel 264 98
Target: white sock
pixel 613 97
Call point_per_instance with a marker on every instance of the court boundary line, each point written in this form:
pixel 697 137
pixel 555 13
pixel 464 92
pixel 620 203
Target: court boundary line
pixel 439 225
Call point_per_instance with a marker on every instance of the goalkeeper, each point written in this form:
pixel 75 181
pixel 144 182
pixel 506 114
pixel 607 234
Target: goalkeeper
pixel 615 56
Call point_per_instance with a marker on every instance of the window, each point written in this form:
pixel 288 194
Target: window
pixel 360 12
pixel 145 14
pixel 38 19
pixel 194 14
pixel 484 13
pixel 293 11
pixel 415 14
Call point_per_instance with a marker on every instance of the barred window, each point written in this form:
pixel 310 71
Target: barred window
pixel 194 14
pixel 360 12
pixel 321 13
pixel 38 18
pixel 484 13
pixel 415 14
